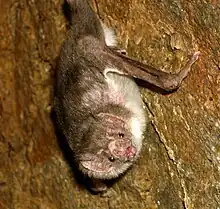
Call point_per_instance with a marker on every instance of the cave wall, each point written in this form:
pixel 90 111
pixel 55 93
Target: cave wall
pixel 179 165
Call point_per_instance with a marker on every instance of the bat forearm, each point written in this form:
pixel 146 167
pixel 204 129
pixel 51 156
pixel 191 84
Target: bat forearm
pixel 161 79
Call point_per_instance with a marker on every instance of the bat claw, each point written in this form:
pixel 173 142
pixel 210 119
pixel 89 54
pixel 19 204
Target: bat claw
pixel 196 55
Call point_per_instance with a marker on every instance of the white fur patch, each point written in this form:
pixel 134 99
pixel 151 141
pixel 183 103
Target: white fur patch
pixel 124 88
pixel 110 37
pixel 136 128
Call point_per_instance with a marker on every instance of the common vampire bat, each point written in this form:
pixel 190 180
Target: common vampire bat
pixel 97 103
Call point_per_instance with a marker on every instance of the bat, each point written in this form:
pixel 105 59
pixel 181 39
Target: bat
pixel 97 103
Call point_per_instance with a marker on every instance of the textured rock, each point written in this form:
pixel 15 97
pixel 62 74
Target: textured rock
pixel 180 162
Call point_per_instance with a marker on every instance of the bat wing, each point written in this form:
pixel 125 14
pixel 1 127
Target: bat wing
pixel 166 81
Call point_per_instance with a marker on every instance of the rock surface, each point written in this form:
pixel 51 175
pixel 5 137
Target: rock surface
pixel 180 163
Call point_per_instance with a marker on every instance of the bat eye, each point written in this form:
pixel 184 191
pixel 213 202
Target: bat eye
pixel 121 135
pixel 124 52
pixel 112 159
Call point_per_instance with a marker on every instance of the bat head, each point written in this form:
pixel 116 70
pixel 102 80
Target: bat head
pixel 107 148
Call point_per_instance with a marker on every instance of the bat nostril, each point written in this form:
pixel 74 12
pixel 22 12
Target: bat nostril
pixel 121 135
pixel 130 151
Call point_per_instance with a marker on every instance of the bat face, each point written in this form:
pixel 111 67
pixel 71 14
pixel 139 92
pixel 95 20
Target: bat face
pixel 108 148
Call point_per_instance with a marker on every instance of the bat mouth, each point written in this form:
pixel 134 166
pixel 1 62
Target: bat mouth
pixel 122 149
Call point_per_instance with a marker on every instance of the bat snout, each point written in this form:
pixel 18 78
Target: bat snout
pixel 130 152
pixel 122 149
